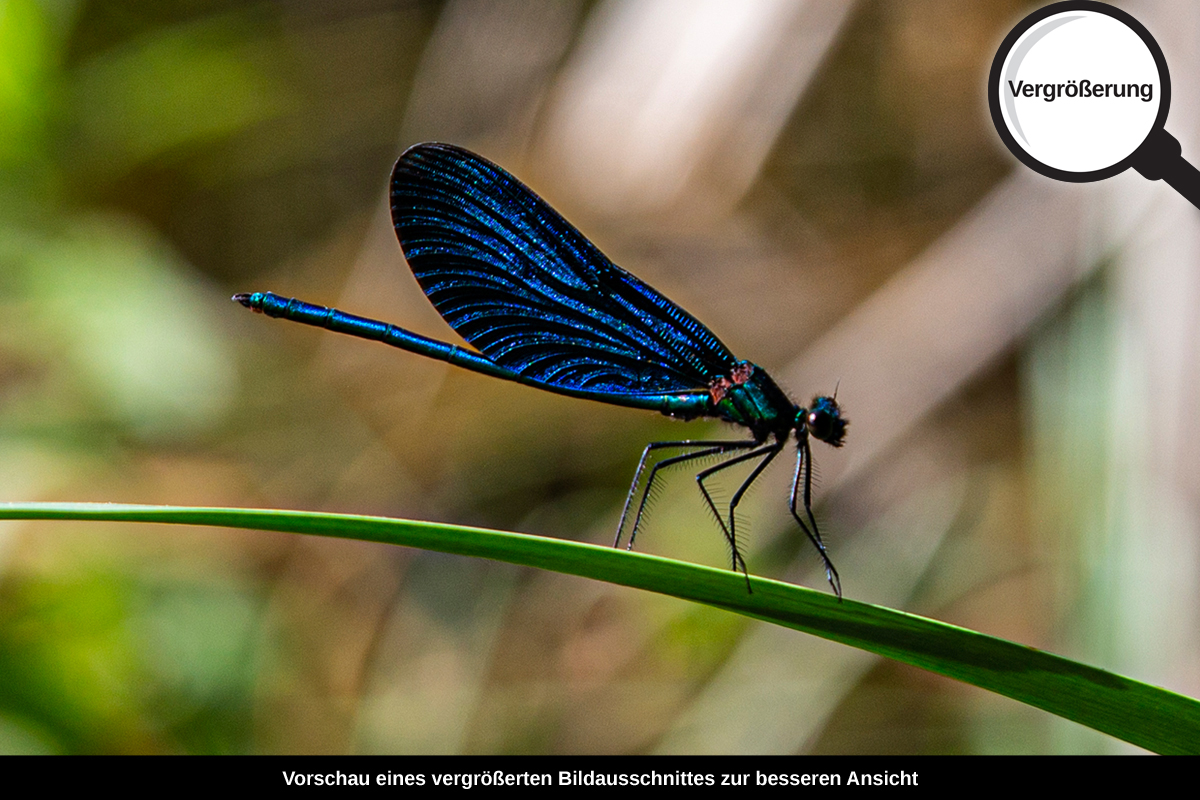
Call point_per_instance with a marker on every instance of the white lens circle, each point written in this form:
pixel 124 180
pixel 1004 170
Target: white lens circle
pixel 1079 91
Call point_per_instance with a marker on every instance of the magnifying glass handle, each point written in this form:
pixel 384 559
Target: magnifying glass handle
pixel 1161 158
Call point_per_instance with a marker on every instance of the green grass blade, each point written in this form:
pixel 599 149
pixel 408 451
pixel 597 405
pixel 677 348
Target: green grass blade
pixel 1136 712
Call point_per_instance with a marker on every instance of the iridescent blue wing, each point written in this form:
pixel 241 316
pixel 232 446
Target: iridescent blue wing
pixel 530 292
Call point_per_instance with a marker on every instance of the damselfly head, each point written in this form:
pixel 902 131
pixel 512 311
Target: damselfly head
pixel 824 421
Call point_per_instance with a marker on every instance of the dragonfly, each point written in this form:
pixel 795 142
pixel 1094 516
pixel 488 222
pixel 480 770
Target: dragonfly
pixel 540 305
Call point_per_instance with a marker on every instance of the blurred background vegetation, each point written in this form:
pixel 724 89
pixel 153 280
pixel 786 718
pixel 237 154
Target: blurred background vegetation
pixel 817 181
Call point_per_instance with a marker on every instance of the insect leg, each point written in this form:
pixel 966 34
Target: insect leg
pixel 768 452
pixel 706 448
pixel 804 462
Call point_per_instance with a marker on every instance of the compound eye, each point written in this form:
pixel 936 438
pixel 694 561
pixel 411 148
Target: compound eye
pixel 825 421
pixel 820 424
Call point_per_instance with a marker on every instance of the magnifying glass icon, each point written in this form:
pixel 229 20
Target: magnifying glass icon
pixel 1079 91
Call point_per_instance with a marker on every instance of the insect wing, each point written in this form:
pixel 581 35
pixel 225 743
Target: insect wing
pixel 530 292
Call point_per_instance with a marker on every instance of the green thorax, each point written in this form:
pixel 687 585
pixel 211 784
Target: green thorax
pixel 757 403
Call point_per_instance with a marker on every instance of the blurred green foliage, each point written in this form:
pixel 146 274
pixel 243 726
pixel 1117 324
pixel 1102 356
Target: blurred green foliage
pixel 122 129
